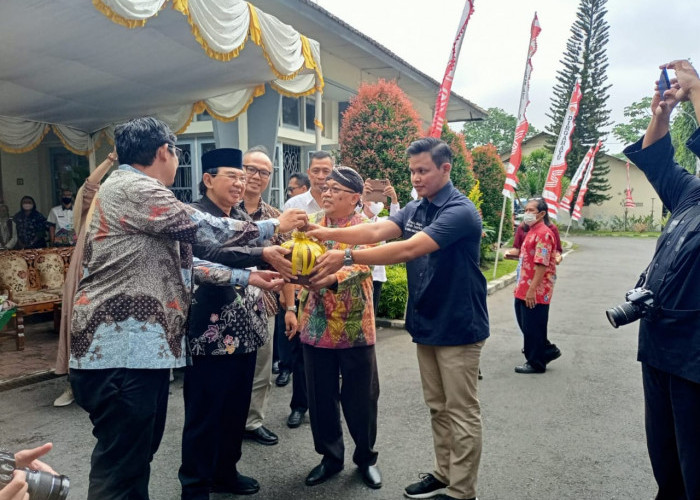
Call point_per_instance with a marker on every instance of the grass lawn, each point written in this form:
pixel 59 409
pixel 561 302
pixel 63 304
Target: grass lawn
pixel 504 267
pixel 618 234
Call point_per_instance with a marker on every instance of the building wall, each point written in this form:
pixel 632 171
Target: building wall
pixel 32 170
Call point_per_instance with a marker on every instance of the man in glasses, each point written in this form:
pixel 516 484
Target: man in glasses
pixel 337 331
pixel 132 303
pixel 258 168
pixel 298 183
pixel 227 330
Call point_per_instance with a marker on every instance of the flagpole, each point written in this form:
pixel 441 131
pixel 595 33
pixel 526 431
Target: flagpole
pixel 500 233
pixel 521 129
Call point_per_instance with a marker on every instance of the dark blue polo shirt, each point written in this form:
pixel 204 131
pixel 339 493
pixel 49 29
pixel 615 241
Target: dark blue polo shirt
pixel 446 289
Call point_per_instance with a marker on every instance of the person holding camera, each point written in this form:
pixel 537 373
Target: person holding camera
pixel 23 482
pixel 669 331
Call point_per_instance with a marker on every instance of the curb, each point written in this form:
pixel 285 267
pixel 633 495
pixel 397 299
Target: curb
pixel 32 378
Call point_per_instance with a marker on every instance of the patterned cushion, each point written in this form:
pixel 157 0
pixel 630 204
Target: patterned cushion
pixel 50 268
pixel 29 297
pixel 13 273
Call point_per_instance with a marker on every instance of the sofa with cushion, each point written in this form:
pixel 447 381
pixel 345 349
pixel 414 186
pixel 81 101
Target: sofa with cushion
pixel 33 279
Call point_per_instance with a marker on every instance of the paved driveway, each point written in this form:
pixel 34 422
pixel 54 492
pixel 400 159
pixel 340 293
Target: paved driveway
pixel 574 432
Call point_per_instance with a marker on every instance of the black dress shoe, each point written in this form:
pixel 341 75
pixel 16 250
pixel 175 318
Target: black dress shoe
pixel 371 476
pixel 321 473
pixel 527 368
pixel 283 378
pixel 262 435
pixel 275 367
pixel 242 485
pixel 295 418
pixel 552 354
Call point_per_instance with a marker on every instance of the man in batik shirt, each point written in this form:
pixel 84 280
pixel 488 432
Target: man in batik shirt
pixel 336 328
pixel 132 302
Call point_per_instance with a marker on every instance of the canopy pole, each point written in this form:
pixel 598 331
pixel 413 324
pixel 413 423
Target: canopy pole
pixel 500 233
pixel 318 118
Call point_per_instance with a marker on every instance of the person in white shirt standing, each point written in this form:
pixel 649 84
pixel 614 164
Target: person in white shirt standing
pixel 60 222
pixel 320 167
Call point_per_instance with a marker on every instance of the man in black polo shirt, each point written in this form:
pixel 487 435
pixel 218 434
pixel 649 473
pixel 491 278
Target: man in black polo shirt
pixel 669 340
pixel 446 314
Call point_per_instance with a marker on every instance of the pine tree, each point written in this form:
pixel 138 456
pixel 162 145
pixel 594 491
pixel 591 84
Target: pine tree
pixel 585 58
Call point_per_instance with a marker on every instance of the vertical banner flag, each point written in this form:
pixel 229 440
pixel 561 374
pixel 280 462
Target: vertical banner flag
pixel 552 186
pixel 516 154
pixel 584 188
pixel 565 203
pixel 443 96
pixel 629 202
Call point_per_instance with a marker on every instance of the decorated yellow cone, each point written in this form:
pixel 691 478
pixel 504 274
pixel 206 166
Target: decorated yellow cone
pixel 303 255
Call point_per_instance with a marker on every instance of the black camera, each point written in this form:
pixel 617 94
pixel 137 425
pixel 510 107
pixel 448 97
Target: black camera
pixel 640 302
pixel 42 485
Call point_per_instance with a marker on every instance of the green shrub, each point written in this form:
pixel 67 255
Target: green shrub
pixel 392 301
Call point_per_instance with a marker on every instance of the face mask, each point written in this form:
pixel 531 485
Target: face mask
pixel 529 219
pixel 27 206
pixel 376 207
pixel 66 200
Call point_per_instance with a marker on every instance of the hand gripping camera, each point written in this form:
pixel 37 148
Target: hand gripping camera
pixel 42 485
pixel 640 302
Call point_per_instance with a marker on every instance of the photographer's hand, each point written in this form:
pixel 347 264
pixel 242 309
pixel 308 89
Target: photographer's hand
pixel 17 488
pixel 29 458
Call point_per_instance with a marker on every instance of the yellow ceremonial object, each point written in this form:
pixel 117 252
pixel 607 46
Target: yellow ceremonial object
pixel 304 252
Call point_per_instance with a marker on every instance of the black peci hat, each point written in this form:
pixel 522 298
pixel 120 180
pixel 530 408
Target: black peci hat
pixel 222 157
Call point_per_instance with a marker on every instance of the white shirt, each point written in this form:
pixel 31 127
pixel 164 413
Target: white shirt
pixel 62 218
pixel 305 201
pixel 379 272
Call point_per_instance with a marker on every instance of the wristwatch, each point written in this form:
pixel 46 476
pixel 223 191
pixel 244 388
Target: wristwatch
pixel 347 261
pixel 292 309
pixel 276 223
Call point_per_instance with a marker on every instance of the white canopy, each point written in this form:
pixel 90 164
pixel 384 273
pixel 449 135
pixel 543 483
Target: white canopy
pixel 78 69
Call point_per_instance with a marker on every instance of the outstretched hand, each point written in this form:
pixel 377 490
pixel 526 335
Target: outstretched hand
pixel 266 280
pixel 292 218
pixel 29 458
pixel 17 488
pixel 275 256
pixel 327 264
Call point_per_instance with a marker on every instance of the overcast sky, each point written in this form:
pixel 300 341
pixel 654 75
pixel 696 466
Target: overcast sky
pixel 643 34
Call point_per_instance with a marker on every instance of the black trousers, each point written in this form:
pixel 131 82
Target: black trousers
pixel 672 421
pixel 377 292
pixel 533 324
pixel 357 395
pixel 217 397
pixel 127 408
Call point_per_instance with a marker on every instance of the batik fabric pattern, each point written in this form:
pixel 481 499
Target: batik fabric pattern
pixel 538 248
pixel 343 318
pixel 132 302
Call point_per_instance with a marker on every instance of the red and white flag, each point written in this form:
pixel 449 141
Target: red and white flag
pixel 584 188
pixel 629 202
pixel 443 96
pixel 516 154
pixel 552 186
pixel 565 203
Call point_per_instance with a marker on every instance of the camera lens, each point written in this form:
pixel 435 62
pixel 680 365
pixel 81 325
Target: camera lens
pixel 46 486
pixel 623 314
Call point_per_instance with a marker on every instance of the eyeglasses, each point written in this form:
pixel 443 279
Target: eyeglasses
pixel 292 188
pixel 251 170
pixel 176 151
pixel 232 177
pixel 334 190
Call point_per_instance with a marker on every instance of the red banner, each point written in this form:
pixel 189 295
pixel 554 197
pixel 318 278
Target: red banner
pixel 552 186
pixel 629 202
pixel 584 188
pixel 443 96
pixel 516 154
pixel 565 203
